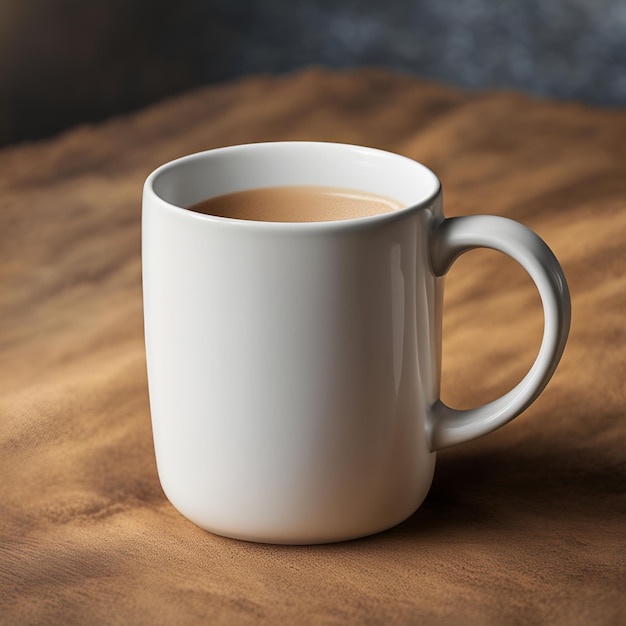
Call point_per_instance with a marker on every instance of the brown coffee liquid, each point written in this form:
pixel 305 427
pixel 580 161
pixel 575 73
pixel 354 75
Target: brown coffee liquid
pixel 297 203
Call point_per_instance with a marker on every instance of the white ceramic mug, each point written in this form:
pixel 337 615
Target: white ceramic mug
pixel 294 367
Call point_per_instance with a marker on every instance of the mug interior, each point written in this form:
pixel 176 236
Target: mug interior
pixel 189 180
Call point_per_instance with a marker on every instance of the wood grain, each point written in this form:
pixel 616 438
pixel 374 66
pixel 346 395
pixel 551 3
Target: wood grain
pixel 527 525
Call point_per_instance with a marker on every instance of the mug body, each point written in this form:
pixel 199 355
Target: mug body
pixel 291 366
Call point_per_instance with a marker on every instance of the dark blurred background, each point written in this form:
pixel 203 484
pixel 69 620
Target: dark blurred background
pixel 63 62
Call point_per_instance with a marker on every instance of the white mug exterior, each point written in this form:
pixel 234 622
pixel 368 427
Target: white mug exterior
pixel 294 368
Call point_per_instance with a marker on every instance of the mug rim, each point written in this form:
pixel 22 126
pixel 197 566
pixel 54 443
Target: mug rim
pixel 362 221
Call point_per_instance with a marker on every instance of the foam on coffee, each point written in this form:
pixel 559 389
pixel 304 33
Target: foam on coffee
pixel 297 203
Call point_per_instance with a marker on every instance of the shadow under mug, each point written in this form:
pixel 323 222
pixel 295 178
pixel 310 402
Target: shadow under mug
pixel 294 368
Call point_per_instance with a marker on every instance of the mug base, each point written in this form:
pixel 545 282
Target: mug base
pixel 307 537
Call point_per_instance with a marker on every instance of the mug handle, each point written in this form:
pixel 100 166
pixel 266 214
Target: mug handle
pixel 451 238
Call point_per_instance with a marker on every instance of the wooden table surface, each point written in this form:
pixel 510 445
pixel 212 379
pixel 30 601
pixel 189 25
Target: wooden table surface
pixel 525 526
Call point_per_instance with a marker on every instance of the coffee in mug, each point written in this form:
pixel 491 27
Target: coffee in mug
pixel 296 203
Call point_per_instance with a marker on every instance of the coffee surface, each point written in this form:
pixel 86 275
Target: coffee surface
pixel 297 203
